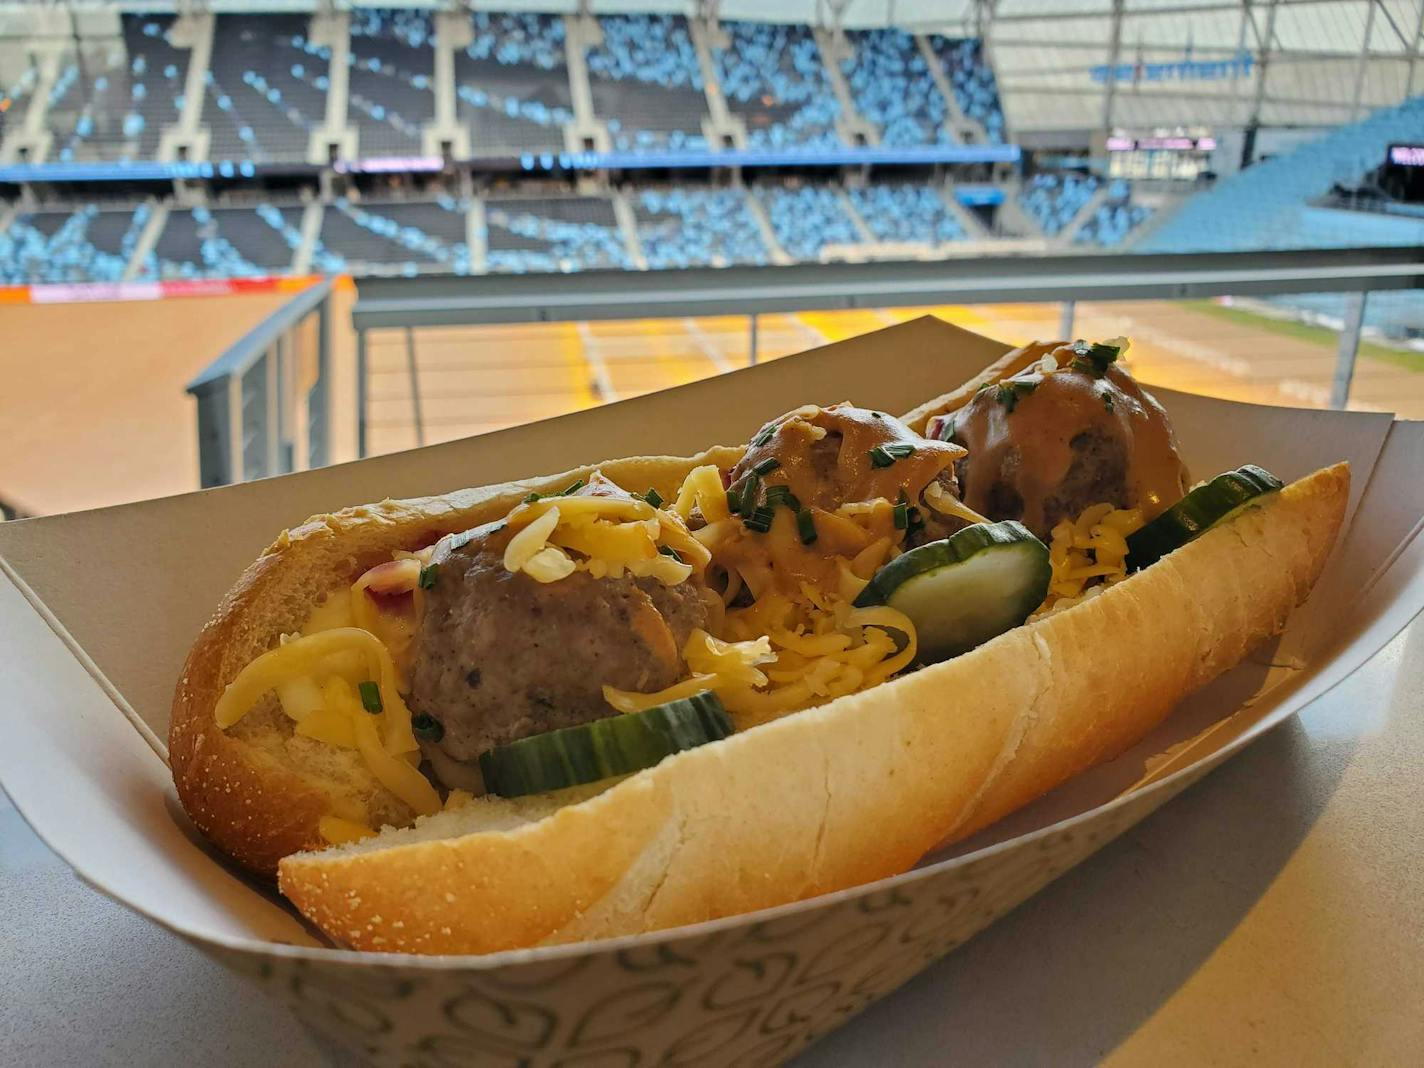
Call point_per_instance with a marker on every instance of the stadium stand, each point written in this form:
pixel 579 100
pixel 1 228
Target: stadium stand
pixel 907 212
pixel 392 64
pixel 115 104
pixel 1265 206
pixel 1114 218
pixel 512 85
pixel 807 219
pixel 405 237
pixel 894 90
pixel 1055 199
pixel 266 88
pixel 775 81
pixel 697 228
pixel 646 84
pixel 86 245
pixel 975 89
pixel 553 234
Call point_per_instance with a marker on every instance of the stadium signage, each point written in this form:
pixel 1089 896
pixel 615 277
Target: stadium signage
pixel 1182 70
pixel 1407 155
pixel 1161 144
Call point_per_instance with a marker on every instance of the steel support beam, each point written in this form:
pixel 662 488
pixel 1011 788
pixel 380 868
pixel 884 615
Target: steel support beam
pixel 414 386
pixel 603 295
pixel 1348 350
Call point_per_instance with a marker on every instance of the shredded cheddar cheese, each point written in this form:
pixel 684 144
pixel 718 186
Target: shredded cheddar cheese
pixel 1088 554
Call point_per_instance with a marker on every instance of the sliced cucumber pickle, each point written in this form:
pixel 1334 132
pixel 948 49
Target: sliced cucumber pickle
pixel 1210 503
pixel 618 745
pixel 966 589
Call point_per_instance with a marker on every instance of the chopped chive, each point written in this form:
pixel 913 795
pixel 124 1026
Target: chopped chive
pixel 1093 359
pixel 428 575
pixel 902 515
pixel 751 490
pixel 653 497
pixel 734 502
pixel 885 455
pixel 571 490
pixel 427 727
pixel 531 498
pixel 876 415
pixel 759 520
pixel 765 435
pixel 668 550
pixel 806 526
pixel 371 697
pixel 767 466
pixel 1010 393
pixel 780 496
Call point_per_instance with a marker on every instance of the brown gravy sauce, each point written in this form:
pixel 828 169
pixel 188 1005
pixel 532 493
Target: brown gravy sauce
pixel 1031 446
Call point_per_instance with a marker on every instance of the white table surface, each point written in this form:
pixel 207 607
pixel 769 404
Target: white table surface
pixel 1272 914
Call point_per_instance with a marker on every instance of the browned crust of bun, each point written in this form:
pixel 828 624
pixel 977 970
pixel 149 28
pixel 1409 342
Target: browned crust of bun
pixel 854 790
pixel 252 800
pixel 1007 365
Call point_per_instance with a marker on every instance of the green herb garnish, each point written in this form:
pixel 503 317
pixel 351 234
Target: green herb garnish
pixel 426 726
pixel 668 550
pixel 571 490
pixel 751 490
pixel 780 496
pixel 371 697
pixel 885 455
pixel 806 526
pixel 1011 392
pixel 759 520
pixel 767 466
pixel 1093 359
pixel 428 575
pixel 764 436
pixel 734 502
pixel 653 497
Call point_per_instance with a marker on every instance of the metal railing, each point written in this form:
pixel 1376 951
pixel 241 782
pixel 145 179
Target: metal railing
pixel 407 304
pixel 264 405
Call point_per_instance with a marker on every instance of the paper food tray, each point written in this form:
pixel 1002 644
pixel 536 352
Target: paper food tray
pixel 97 611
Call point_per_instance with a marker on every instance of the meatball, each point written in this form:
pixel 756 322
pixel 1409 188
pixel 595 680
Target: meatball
pixel 832 456
pixel 500 656
pixel 1045 446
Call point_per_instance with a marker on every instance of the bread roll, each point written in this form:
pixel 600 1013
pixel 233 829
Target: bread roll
pixel 848 792
pixel 258 789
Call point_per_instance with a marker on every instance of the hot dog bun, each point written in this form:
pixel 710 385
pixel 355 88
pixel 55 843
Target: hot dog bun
pixel 258 790
pixel 823 799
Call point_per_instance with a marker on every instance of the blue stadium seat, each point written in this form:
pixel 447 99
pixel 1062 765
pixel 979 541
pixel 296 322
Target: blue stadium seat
pixel 697 228
pixel 893 88
pixel 646 83
pixel 1054 199
pixel 511 83
pixel 807 219
pixel 773 77
pixel 87 245
pixel 1115 218
pixel 558 235
pixel 975 89
pixel 907 212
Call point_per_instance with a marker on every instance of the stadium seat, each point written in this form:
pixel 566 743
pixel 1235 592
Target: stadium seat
pixel 906 211
pixel 697 228
pixel 646 83
pixel 773 77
